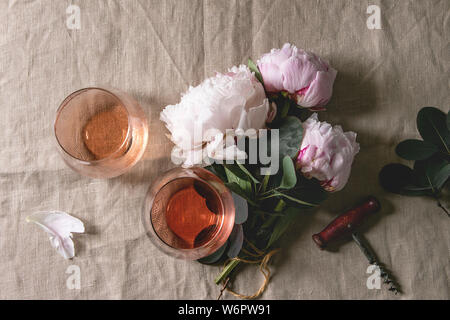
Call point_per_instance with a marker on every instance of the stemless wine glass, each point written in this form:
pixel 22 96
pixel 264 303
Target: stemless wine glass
pixel 101 133
pixel 174 221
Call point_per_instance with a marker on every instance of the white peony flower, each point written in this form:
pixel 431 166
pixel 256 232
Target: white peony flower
pixel 59 225
pixel 326 153
pixel 209 117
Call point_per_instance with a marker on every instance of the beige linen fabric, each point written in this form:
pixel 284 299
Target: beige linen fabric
pixel 154 50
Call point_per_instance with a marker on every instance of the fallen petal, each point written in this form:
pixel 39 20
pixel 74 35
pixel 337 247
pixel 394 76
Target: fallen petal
pixel 59 225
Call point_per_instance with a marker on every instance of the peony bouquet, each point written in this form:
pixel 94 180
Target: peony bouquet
pixel 255 128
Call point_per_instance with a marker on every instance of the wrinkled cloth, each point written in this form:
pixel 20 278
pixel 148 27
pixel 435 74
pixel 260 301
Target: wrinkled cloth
pixel 154 50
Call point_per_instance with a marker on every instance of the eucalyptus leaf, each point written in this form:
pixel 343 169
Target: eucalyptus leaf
pixel 282 223
pixel 431 173
pixel 442 176
pixel 432 125
pixel 236 240
pixel 290 134
pixel 412 149
pixel 289 178
pixel 398 178
pixel 215 256
pixel 240 209
pixel 253 67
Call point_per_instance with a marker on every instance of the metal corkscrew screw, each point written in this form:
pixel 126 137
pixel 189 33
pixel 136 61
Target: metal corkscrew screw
pixel 345 225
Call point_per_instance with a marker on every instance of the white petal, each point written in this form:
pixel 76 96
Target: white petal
pixel 230 101
pixel 59 225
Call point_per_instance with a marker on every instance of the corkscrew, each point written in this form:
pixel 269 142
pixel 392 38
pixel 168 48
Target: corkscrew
pixel 345 225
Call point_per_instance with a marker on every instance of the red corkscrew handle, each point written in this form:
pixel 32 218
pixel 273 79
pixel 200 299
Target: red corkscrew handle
pixel 347 222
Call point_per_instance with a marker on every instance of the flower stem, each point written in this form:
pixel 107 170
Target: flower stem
pixel 280 206
pixel 226 271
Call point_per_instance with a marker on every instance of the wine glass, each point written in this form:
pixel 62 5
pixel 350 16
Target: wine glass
pixel 188 213
pixel 101 133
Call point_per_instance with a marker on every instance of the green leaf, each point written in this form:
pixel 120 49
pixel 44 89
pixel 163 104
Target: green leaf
pixel 431 123
pixel 247 173
pixel 415 149
pixel 282 224
pixel 235 174
pixel 218 170
pixel 253 67
pixel 290 134
pixel 236 188
pixel 442 176
pixel 431 173
pixel 265 182
pixel 289 175
pixel 398 178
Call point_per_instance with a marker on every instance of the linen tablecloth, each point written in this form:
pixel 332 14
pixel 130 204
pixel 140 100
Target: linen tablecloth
pixel 154 50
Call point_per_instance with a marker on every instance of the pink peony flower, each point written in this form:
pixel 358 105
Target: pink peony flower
pixel 326 153
pixel 306 77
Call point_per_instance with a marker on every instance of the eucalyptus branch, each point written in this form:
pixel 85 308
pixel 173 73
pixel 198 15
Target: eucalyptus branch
pixel 440 205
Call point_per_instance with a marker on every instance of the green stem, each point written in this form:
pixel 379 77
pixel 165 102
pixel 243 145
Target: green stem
pixel 226 271
pixel 267 197
pixel 440 205
pixel 280 206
